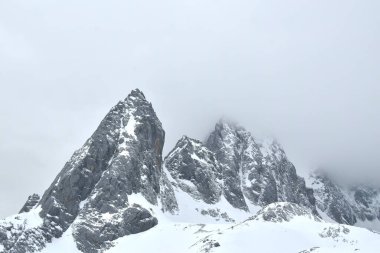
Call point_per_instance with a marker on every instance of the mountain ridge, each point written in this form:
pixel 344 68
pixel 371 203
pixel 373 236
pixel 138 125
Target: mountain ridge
pixel 118 184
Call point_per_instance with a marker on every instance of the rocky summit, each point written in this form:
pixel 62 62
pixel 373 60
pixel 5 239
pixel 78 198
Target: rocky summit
pixel 254 171
pixel 118 185
pixel 123 157
pixel 351 204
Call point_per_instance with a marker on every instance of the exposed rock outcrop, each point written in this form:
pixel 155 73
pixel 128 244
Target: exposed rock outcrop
pixel 283 212
pixel 254 171
pixel 345 204
pixel 195 170
pixel 123 157
pixel 30 203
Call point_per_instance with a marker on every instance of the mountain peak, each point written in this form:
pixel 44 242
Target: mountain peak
pixel 187 140
pixel 30 203
pixel 136 93
pixel 224 123
pixel 112 186
pixel 122 158
pixel 195 170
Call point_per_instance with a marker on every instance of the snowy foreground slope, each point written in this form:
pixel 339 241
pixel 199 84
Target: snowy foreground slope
pixel 230 193
pixel 279 227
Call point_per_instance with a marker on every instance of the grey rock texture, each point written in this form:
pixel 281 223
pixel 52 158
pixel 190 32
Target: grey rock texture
pixel 30 203
pixel 233 164
pixel 122 158
pixel 227 144
pixel 331 200
pixel 217 214
pixel 284 212
pixel 96 231
pixel 134 169
pixel 254 171
pixel 168 199
pixel 367 202
pixel 195 170
pixel 345 204
pixel 111 187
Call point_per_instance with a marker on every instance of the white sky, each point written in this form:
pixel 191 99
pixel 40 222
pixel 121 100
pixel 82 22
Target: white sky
pixel 304 71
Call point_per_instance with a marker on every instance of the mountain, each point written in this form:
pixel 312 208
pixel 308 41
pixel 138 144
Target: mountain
pixel 91 194
pixel 117 187
pixel 256 172
pixel 235 169
pixel 195 170
pixel 347 204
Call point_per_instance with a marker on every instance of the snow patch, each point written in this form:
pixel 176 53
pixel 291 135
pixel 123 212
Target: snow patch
pixel 289 237
pixel 131 126
pixel 64 244
pixel 26 220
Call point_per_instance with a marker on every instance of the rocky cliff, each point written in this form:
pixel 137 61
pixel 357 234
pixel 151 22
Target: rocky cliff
pixel 118 184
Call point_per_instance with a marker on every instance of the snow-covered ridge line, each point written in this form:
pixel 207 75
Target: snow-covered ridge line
pixel 117 185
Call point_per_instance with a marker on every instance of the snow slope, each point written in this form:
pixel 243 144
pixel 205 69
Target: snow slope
pixel 266 232
pixel 302 233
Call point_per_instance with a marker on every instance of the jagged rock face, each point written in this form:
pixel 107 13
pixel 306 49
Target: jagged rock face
pixel 289 186
pixel 233 164
pixel 367 202
pixel 227 146
pixel 168 199
pixel 259 172
pixel 30 203
pixel 123 157
pixel 135 168
pixel 331 200
pixel 345 205
pixel 195 170
pixel 115 184
pixel 283 212
pixel 95 231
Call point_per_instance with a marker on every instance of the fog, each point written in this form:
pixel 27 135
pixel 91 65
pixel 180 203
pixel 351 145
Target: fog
pixel 305 72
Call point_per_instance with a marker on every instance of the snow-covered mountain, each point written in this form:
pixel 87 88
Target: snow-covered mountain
pixel 255 172
pixel 353 205
pixel 230 193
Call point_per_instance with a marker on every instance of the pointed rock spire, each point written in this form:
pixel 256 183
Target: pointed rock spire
pixel 121 158
pixel 195 170
pixel 30 203
pixel 255 172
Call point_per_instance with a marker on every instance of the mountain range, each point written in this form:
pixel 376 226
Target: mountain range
pixel 231 192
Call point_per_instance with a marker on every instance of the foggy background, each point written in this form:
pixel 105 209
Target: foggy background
pixel 306 72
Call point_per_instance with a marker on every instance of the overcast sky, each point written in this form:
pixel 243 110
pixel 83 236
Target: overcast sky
pixel 306 72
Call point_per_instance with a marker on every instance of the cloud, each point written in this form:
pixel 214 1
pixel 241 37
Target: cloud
pixel 306 72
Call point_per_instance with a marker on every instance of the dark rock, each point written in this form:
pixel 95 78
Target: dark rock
pixel 259 172
pixel 30 203
pixel 109 187
pixel 284 212
pixel 123 157
pixel 195 170
pixel 98 234
pixel 167 196
pixel 226 144
pixel 346 205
